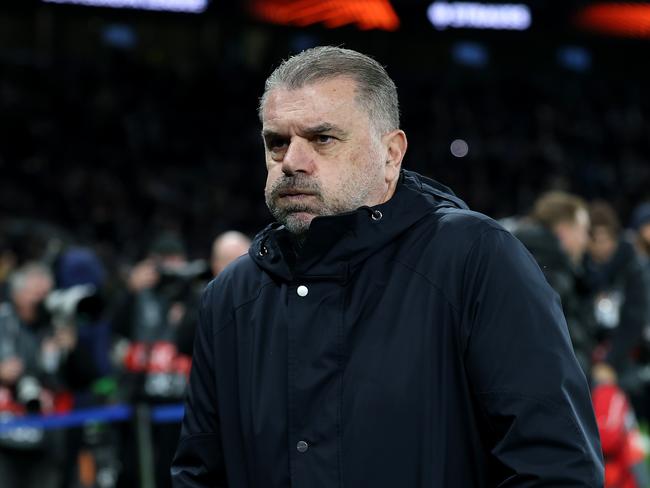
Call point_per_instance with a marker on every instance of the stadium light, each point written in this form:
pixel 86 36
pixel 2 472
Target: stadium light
pixel 188 6
pixel 616 18
pixel 473 15
pixel 459 148
pixel 364 14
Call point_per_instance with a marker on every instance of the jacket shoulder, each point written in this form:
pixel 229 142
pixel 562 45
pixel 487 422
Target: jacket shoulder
pixel 239 283
pixel 441 245
pixel 460 233
pixel 459 228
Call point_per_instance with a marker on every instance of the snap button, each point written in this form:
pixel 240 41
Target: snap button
pixel 302 291
pixel 302 446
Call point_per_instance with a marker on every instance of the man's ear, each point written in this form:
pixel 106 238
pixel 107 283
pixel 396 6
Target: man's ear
pixel 395 143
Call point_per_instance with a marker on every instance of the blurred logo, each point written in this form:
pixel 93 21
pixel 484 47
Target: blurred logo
pixel 473 15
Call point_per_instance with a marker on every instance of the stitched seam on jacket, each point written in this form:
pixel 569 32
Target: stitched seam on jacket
pixel 232 312
pixel 470 328
pixel 555 406
pixel 547 401
pixel 430 282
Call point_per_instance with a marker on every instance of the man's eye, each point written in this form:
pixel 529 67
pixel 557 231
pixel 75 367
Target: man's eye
pixel 323 139
pixel 276 144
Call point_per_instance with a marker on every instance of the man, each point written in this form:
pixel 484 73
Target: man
pixel 557 235
pixel 620 286
pixel 226 248
pixel 155 323
pixel 380 334
pixel 32 359
pixel 158 290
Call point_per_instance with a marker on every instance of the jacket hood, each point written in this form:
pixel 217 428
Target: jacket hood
pixel 336 244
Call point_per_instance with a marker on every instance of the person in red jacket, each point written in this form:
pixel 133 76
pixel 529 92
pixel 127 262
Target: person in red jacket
pixel 620 438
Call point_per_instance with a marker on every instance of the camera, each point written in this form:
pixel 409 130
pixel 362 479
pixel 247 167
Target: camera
pixel 175 283
pixel 28 394
pixel 75 305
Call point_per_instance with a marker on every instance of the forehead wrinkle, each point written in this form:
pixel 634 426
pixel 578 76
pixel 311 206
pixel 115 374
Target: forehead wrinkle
pixel 307 109
pixel 302 98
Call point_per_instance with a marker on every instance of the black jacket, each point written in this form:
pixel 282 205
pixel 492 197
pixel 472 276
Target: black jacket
pixel 417 346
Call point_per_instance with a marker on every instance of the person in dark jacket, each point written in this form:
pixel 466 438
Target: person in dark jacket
pixel 155 317
pixel 380 333
pixel 620 287
pixel 557 235
pixel 36 359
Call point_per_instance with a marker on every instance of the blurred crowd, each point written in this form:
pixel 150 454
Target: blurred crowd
pixel 601 273
pixel 68 341
pixel 124 144
pixel 119 170
pixel 73 335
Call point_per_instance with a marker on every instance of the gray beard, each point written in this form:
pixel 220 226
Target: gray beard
pixel 285 217
pixel 318 207
pixel 284 214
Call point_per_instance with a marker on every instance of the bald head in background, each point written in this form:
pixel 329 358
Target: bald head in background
pixel 226 248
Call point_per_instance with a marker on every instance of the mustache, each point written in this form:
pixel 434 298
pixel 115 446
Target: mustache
pixel 293 185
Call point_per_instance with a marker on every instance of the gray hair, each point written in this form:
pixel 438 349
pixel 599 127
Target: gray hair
pixel 18 280
pixel 377 93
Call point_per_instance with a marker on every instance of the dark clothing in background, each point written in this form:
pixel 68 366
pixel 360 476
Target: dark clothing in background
pixel 421 348
pixel 624 281
pixel 20 340
pixel 30 469
pixel 33 457
pixel 144 317
pixel 569 283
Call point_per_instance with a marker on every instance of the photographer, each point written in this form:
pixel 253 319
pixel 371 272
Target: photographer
pixel 159 290
pixel 155 323
pixel 79 306
pixel 28 352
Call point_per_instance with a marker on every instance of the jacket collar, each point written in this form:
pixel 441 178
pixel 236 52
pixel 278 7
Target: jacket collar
pixel 337 244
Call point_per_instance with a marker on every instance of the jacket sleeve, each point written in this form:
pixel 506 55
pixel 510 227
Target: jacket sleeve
pixel 199 460
pixel 532 397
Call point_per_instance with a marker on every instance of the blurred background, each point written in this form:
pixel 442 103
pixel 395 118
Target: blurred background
pixel 129 141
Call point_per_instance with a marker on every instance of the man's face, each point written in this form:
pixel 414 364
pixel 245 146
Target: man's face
pixel 34 290
pixel 603 244
pixel 323 155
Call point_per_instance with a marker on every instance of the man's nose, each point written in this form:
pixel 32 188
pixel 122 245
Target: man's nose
pixel 298 158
